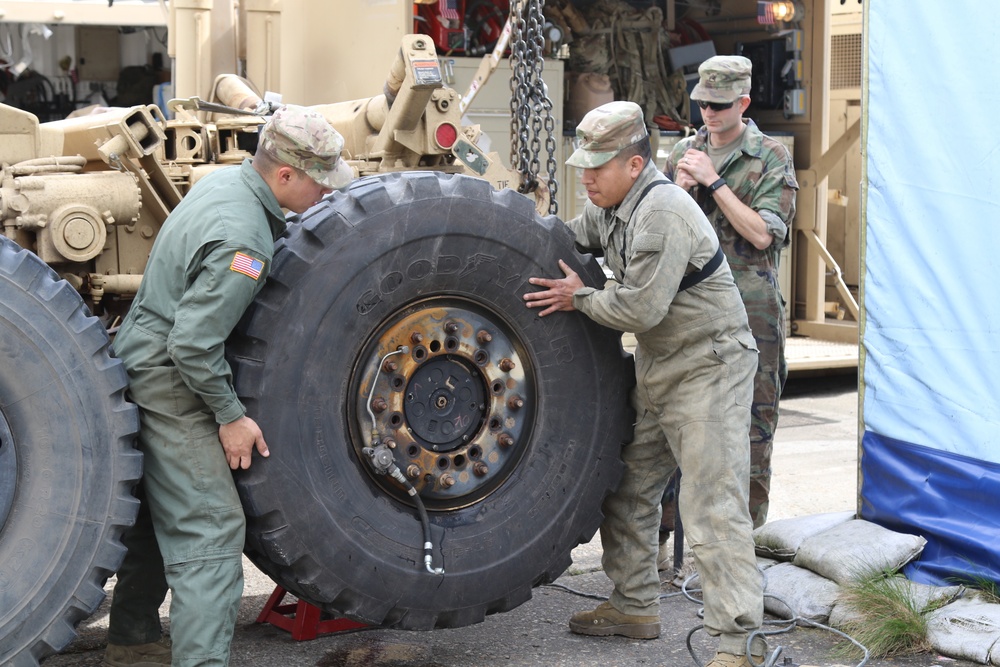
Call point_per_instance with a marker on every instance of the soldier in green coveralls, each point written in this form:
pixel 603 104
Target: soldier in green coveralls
pixel 208 262
pixel 694 361
pixel 745 183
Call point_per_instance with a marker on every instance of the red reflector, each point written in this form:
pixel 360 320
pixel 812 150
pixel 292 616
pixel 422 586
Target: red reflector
pixel 445 135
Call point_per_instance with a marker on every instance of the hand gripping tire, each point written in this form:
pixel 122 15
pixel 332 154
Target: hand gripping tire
pixel 67 462
pixel 399 304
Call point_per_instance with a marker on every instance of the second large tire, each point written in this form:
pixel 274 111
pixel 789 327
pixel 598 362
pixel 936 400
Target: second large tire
pixel 67 461
pixel 394 312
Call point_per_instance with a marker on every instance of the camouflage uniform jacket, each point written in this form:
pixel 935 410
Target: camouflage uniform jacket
pixel 650 246
pixel 208 262
pixel 761 174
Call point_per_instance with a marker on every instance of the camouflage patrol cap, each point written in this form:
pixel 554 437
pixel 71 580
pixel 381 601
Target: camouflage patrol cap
pixel 722 79
pixel 605 131
pixel 302 138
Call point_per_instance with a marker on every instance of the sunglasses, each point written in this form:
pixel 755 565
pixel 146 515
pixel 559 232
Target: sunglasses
pixel 715 106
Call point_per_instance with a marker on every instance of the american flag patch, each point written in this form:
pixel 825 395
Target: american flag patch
pixel 247 265
pixel 448 9
pixel 765 13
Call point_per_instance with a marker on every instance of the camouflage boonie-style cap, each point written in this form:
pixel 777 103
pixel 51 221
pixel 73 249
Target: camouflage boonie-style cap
pixel 605 131
pixel 302 138
pixel 722 79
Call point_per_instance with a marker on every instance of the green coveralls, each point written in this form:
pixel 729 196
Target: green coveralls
pixel 207 264
pixel 695 358
pixel 761 175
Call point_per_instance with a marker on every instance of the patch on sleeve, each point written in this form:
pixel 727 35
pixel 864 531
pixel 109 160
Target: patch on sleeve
pixel 648 242
pixel 247 265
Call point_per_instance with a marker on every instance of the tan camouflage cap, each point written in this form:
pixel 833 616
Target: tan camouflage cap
pixel 302 138
pixel 605 131
pixel 722 79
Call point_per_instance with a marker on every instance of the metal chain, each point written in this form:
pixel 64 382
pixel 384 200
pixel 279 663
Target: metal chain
pixel 530 106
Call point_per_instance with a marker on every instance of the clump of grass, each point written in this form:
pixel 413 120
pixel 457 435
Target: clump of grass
pixel 988 589
pixel 890 622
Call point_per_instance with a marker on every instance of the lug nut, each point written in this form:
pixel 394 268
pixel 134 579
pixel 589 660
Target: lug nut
pixel 416 337
pixel 450 327
pixel 515 402
pixel 412 471
pixel 447 481
pixel 506 440
pixel 480 468
pixel 379 404
pixel 484 337
pixel 506 364
pixel 390 366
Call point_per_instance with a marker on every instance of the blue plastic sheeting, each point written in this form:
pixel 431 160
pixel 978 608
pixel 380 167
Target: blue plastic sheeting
pixel 932 226
pixel 948 499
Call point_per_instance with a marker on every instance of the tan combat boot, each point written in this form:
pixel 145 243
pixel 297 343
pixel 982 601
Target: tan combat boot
pixel 731 660
pixel 154 654
pixel 606 620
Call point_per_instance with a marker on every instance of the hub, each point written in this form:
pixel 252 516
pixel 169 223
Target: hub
pixel 444 403
pixel 456 407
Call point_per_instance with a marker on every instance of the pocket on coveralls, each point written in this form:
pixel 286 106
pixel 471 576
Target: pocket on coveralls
pixel 738 351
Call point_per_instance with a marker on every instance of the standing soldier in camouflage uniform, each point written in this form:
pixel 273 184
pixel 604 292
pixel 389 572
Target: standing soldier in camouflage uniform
pixel 209 261
pixel 695 359
pixel 745 183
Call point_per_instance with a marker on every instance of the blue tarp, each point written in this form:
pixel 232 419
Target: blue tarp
pixel 950 500
pixel 930 455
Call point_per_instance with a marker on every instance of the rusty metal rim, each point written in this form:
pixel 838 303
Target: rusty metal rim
pixel 458 405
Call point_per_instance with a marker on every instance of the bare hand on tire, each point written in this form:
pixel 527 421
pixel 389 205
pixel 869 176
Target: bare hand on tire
pixel 238 439
pixel 559 296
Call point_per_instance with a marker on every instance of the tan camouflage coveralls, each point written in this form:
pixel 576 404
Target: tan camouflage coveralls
pixel 695 361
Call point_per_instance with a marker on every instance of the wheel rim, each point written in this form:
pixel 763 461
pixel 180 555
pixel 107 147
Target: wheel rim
pixel 456 406
pixel 8 469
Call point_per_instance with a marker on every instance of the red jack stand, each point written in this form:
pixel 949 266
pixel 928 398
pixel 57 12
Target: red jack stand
pixel 303 620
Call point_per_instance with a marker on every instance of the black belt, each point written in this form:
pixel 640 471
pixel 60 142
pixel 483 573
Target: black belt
pixel 695 277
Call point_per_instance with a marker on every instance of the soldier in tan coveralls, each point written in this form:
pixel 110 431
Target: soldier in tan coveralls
pixel 695 359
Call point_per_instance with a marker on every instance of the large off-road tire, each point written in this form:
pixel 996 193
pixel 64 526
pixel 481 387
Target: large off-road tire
pixel 509 425
pixel 67 462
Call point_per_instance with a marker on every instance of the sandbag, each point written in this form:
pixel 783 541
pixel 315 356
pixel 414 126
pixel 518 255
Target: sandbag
pixel 857 549
pixel 781 539
pixel 967 629
pixel 791 591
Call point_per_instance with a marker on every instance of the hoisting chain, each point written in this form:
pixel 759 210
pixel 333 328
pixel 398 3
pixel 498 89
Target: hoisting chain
pixel 530 106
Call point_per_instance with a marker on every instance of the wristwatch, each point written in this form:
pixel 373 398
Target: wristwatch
pixel 715 186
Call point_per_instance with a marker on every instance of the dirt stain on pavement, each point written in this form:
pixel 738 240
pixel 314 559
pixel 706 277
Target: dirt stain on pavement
pixel 379 654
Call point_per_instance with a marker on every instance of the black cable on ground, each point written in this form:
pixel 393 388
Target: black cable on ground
pixel 787 625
